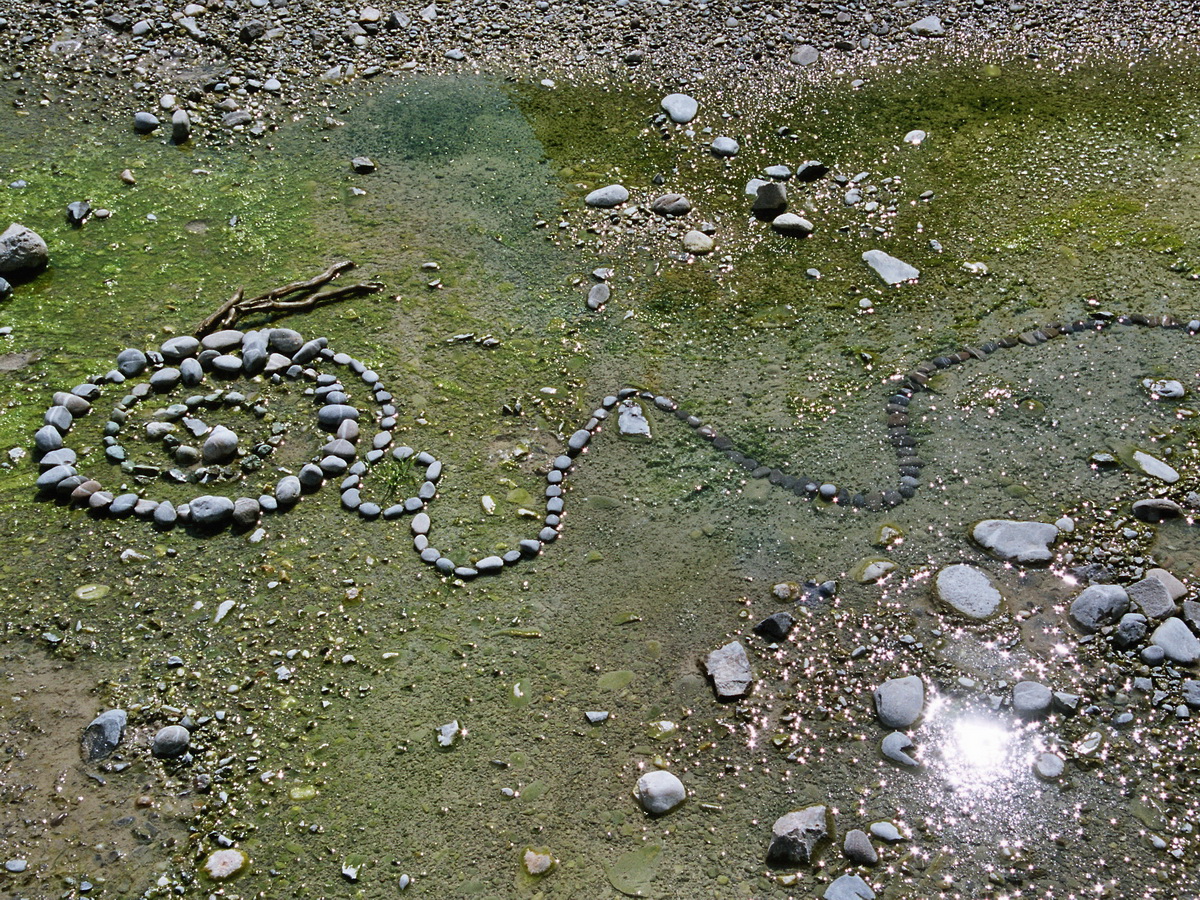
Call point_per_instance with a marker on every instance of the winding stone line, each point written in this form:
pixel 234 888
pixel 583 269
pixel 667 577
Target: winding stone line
pixel 281 354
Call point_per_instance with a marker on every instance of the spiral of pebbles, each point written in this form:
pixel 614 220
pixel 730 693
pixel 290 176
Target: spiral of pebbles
pixel 281 355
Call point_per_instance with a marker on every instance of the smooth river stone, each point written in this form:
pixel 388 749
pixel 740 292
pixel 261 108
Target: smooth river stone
pixel 659 792
pixel 1177 641
pixel 1027 542
pixel 967 590
pixel 900 701
pixel 1154 467
pixel 607 197
pixel 680 108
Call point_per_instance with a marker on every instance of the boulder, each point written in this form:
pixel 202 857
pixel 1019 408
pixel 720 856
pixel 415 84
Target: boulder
pixel 22 250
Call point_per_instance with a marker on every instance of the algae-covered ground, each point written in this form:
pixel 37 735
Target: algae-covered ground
pixel 316 699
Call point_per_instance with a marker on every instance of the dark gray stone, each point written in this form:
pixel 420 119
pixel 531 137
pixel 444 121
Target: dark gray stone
pixel 211 512
pixel 103 734
pixel 22 250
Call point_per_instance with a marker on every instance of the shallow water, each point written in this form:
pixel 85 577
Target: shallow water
pixel 1066 184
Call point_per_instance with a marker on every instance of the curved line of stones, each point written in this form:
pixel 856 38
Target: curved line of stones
pixel 281 353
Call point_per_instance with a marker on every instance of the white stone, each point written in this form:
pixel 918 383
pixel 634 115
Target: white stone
pixel 697 242
pixel 967 590
pixel 659 792
pixel 899 702
pixel 1177 641
pixel 1018 541
pixel 680 108
pixel 890 269
pixel 1049 766
pixel 1154 467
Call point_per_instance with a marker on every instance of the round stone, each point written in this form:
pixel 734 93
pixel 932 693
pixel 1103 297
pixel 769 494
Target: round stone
pixel 659 792
pixel 968 591
pixel 170 742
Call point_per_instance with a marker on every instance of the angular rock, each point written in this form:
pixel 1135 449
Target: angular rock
pixel 631 422
pixel 967 590
pixel 1099 605
pixel 899 702
pixel 1176 589
pixel 895 747
pixel 1176 641
pixel 930 26
pixel 890 269
pixel 729 669
pixel 103 734
pixel 1027 542
pixel 775 627
pixel 770 200
pixel 796 836
pixel 1131 630
pixel 1151 596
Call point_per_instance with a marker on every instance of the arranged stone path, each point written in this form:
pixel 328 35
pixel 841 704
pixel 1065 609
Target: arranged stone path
pixel 282 355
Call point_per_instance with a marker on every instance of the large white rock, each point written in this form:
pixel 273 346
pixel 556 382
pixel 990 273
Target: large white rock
pixel 1026 542
pixel 1154 467
pixel 967 590
pixel 729 669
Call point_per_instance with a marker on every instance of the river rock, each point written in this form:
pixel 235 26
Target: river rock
pixel 170 742
pixel 631 422
pixel 930 26
pixel 805 55
pixel 211 512
pixel 246 511
pixel 1099 605
pixel 1151 596
pixel 671 205
pixel 1176 589
pixel 890 269
pixel 145 122
pixel 659 792
pixel 103 734
pixel 1154 467
pixel 770 200
pixel 900 701
pixel 1049 766
pixel 598 295
pixel 680 108
pixel 848 887
pixel 858 848
pixel 220 447
pixel 729 669
pixel 1157 509
pixel 698 242
pixel 181 126
pixel 967 590
pixel 1031 699
pixel 1027 542
pixel 775 627
pixel 895 747
pixel 724 147
pixel 22 250
pixel 131 362
pixel 796 836
pixel 1131 630
pixel 1176 641
pixel 607 197
pixel 1190 689
pixel 792 225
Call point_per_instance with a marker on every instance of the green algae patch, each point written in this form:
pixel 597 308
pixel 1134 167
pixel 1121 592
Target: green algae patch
pixel 634 871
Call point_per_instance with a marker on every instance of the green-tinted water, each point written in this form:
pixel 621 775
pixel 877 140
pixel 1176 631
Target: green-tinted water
pixel 1065 185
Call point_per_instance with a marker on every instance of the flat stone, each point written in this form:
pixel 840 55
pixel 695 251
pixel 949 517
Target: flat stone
pixel 805 55
pixel 1157 509
pixel 967 590
pixel 659 792
pixel 729 669
pixel 724 147
pixel 1176 641
pixel 899 702
pixel 795 836
pixel 680 108
pixel 848 887
pixel 631 422
pixel 890 269
pixel 775 627
pixel 1031 699
pixel 1154 467
pixel 1151 596
pixel 930 26
pixel 1176 589
pixel 1027 542
pixel 1099 605
pixel 1049 766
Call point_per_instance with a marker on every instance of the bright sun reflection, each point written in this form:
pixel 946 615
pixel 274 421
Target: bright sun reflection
pixel 977 752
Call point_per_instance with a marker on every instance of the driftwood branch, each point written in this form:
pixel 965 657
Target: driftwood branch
pixel 228 314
